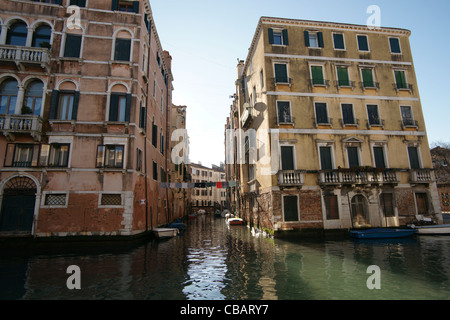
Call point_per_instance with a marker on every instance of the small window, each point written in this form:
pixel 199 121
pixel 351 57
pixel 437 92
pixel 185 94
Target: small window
pixel 400 79
pixel 55 200
pixel 8 96
pixel 414 161
pixel 353 157
pixel 33 98
pixel 287 158
pixel 314 39
pixel 120 107
pixel 79 3
pixel 407 116
pixel 155 171
pixel 321 113
pixel 290 207
pixel 378 153
pixel 42 36
pixel 284 112
pixel 347 114
pixel 281 75
pixel 367 77
pixel 278 37
pixel 363 43
pixel 326 161
pixel 59 155
pixel 111 199
pixel 343 77
pixel 139 166
pixel 110 156
pixel 317 77
pixel 122 49
pixel 373 115
pixel 395 45
pixel 338 40
pixel 22 155
pixel 72 46
pixel 17 34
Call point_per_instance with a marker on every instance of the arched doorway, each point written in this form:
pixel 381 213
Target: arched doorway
pixel 359 211
pixel 19 198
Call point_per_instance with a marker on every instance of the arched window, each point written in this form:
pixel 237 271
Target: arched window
pixel 33 98
pixel 42 36
pixel 8 96
pixel 122 46
pixel 17 34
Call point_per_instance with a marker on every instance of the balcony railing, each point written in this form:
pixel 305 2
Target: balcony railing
pixel 290 178
pixel 16 124
pixel 422 176
pixel 409 123
pixel 358 176
pixel 25 55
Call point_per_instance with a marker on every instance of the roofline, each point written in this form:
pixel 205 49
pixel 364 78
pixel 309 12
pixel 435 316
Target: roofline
pixel 319 24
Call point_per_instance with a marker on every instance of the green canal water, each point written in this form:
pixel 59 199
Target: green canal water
pixel 211 261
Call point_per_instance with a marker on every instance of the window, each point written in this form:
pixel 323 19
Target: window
pixel 373 115
pixel 317 75
pixel 53 199
pixel 278 37
pixel 49 1
pixel 33 98
pixel 154 135
pixel 55 155
pixel 111 199
pixel 367 77
pixel 281 75
pixel 322 114
pixel 125 6
pixel 42 36
pixel 359 211
pixel 143 116
pixel 120 106
pixel 284 112
pixel 363 43
pixel 262 79
pixel 331 207
pixel 290 206
pixel 407 116
pixel 122 49
pixel 395 45
pixel 80 3
pixel 64 105
pixel 17 34
pixel 139 166
pixel 22 155
pixel 347 114
pixel 72 46
pixel 314 39
pixel 353 157
pixel 387 204
pixel 338 40
pixel 343 77
pixel 287 158
pixel 155 171
pixel 8 96
pixel 326 162
pixel 162 143
pixel 378 153
pixel 414 161
pixel 110 156
pixel 400 79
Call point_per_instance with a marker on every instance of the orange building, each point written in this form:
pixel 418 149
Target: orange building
pixel 85 108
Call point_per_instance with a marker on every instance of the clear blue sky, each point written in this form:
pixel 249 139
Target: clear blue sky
pixel 205 39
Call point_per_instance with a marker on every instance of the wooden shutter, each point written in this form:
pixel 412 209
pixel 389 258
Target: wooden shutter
pixel 136 6
pixel 287 158
pixel 378 153
pixel 285 37
pixel 325 158
pixel 114 108
pixel 54 105
pixel 128 108
pixel 367 77
pixel 271 36
pixel 353 158
pixel 331 206
pixel 115 5
pixel 321 113
pixel 320 39
pixel 76 100
pixel 281 73
pixel 347 114
pixel 413 158
pixel 306 33
pixel 317 75
pixel 343 77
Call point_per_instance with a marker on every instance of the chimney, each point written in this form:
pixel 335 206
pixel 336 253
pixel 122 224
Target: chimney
pixel 168 59
pixel 240 68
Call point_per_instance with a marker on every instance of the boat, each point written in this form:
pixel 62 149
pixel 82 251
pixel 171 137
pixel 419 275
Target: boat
pixel 382 233
pixel 233 221
pixel 177 225
pixel 165 233
pixel 443 229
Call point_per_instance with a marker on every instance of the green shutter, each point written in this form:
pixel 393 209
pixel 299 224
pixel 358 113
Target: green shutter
pixel 317 75
pixel 320 39
pixel 343 78
pixel 367 77
pixel 306 33
pixel 114 108
pixel 290 208
pixel 76 100
pixel 128 108
pixel 400 79
pixel 115 5
pixel 54 105
pixel 281 73
pixel 285 37
pixel 271 36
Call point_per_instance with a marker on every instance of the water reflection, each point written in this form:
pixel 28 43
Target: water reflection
pixel 213 262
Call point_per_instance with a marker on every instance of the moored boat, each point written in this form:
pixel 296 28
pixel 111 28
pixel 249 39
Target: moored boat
pixel 382 233
pixel 233 221
pixel 443 229
pixel 165 233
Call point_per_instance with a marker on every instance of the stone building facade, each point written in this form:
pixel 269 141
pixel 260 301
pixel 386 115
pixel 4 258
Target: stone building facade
pixel 331 130
pixel 85 90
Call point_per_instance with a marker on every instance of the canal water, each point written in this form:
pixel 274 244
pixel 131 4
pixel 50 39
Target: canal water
pixel 211 261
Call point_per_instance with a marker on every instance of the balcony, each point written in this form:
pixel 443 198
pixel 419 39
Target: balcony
pixel 11 125
pixel 290 178
pixel 422 176
pixel 358 176
pixel 409 123
pixel 25 56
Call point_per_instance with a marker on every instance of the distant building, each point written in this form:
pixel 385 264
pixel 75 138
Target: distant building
pixel 85 119
pixel 206 194
pixel 441 164
pixel 332 129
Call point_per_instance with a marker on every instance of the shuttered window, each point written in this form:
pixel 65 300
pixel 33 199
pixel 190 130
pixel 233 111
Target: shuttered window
pixel 325 158
pixel 338 39
pixel 387 204
pixel 367 76
pixel 413 158
pixel 290 208
pixel 378 153
pixel 347 114
pixel 278 37
pixel 395 45
pixel 72 46
pixel 363 43
pixel 120 107
pixel 353 157
pixel 331 206
pixel 343 78
pixel 281 73
pixel 287 158
pixel 317 75
pixel 122 49
pixel 321 113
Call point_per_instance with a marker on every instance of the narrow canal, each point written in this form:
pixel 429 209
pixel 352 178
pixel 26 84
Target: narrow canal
pixel 211 261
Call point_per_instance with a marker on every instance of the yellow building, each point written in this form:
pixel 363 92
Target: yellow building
pixel 332 134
